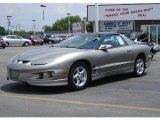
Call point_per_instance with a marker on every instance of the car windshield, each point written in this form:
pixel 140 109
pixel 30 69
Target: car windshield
pixel 81 42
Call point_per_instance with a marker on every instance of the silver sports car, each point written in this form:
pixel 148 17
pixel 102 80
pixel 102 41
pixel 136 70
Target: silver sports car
pixel 80 59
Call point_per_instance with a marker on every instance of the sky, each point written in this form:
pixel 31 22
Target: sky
pixel 24 13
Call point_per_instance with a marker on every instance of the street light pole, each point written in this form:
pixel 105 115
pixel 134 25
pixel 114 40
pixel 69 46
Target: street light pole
pixel 43 6
pixel 9 24
pixel 69 22
pixel 34 26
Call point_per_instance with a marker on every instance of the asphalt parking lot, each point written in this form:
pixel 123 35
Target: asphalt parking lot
pixel 116 96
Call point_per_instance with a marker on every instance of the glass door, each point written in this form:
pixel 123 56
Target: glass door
pixel 153 35
pixel 159 34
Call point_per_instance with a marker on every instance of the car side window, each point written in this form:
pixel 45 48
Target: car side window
pixel 8 37
pixel 115 41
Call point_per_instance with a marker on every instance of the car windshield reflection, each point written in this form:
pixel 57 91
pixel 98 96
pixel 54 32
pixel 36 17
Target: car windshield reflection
pixel 81 42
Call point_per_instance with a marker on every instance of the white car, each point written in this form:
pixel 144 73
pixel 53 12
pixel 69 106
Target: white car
pixel 15 40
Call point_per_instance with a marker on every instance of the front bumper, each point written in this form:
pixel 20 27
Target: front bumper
pixel 32 76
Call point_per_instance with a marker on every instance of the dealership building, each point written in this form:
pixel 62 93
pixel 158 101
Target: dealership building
pixel 127 18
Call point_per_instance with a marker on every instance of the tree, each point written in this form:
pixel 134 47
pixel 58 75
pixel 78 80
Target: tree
pixel 62 24
pixel 89 27
pixel 2 30
pixel 47 28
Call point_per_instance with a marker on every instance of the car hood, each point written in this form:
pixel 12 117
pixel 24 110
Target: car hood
pixel 45 55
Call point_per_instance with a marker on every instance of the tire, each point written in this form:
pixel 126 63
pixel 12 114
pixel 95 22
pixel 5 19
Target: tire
pixel 7 44
pixel 50 42
pixel 26 43
pixel 79 76
pixel 139 66
pixel 152 57
pixel 4 46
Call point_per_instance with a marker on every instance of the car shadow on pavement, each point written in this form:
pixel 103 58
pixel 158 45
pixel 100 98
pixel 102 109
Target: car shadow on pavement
pixel 24 88
pixel 112 79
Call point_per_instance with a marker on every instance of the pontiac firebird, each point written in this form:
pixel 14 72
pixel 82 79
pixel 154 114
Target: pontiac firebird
pixel 80 59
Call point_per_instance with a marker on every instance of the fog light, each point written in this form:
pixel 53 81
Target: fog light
pixel 48 74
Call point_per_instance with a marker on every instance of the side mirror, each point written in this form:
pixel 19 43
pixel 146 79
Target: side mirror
pixel 105 47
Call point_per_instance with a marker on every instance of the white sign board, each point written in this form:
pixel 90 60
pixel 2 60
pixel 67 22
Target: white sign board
pixel 77 28
pixel 125 12
pixel 116 25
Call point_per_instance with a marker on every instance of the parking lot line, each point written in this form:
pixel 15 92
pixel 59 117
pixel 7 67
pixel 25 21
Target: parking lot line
pixel 82 103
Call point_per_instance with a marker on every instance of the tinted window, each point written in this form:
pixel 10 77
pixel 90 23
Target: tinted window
pixel 81 41
pixel 115 41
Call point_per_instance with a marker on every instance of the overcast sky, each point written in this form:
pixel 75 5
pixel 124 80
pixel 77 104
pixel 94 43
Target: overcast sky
pixel 24 13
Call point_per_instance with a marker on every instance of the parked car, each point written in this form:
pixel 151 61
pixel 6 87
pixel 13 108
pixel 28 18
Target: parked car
pixel 80 59
pixel 63 37
pixel 15 40
pixel 51 39
pixel 2 42
pixel 47 39
pixel 35 39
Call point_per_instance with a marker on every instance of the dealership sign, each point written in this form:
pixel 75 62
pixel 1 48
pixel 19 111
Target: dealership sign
pixel 116 25
pixel 125 12
pixel 77 28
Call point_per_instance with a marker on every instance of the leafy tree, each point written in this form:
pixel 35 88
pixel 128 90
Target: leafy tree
pixel 2 30
pixel 89 27
pixel 62 24
pixel 47 28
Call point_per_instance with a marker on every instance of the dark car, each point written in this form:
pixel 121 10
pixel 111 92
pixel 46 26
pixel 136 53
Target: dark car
pixel 63 37
pixel 35 39
pixel 48 39
pixel 2 42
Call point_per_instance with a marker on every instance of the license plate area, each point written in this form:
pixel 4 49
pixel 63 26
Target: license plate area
pixel 14 74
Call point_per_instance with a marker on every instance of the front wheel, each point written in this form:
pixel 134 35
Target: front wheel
pixel 79 76
pixel 139 66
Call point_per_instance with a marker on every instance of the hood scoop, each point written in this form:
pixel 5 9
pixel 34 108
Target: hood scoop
pixel 24 62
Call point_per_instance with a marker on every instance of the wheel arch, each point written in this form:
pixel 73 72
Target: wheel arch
pixel 89 65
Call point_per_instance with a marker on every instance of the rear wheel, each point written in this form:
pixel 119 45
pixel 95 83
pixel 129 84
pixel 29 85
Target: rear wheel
pixel 7 44
pixel 79 76
pixel 26 43
pixel 139 66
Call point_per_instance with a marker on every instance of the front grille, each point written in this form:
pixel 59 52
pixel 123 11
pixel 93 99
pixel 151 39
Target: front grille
pixel 14 74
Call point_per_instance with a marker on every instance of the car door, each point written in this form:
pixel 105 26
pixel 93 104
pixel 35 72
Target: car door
pixel 118 57
pixel 21 40
pixel 11 40
pixel 18 40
